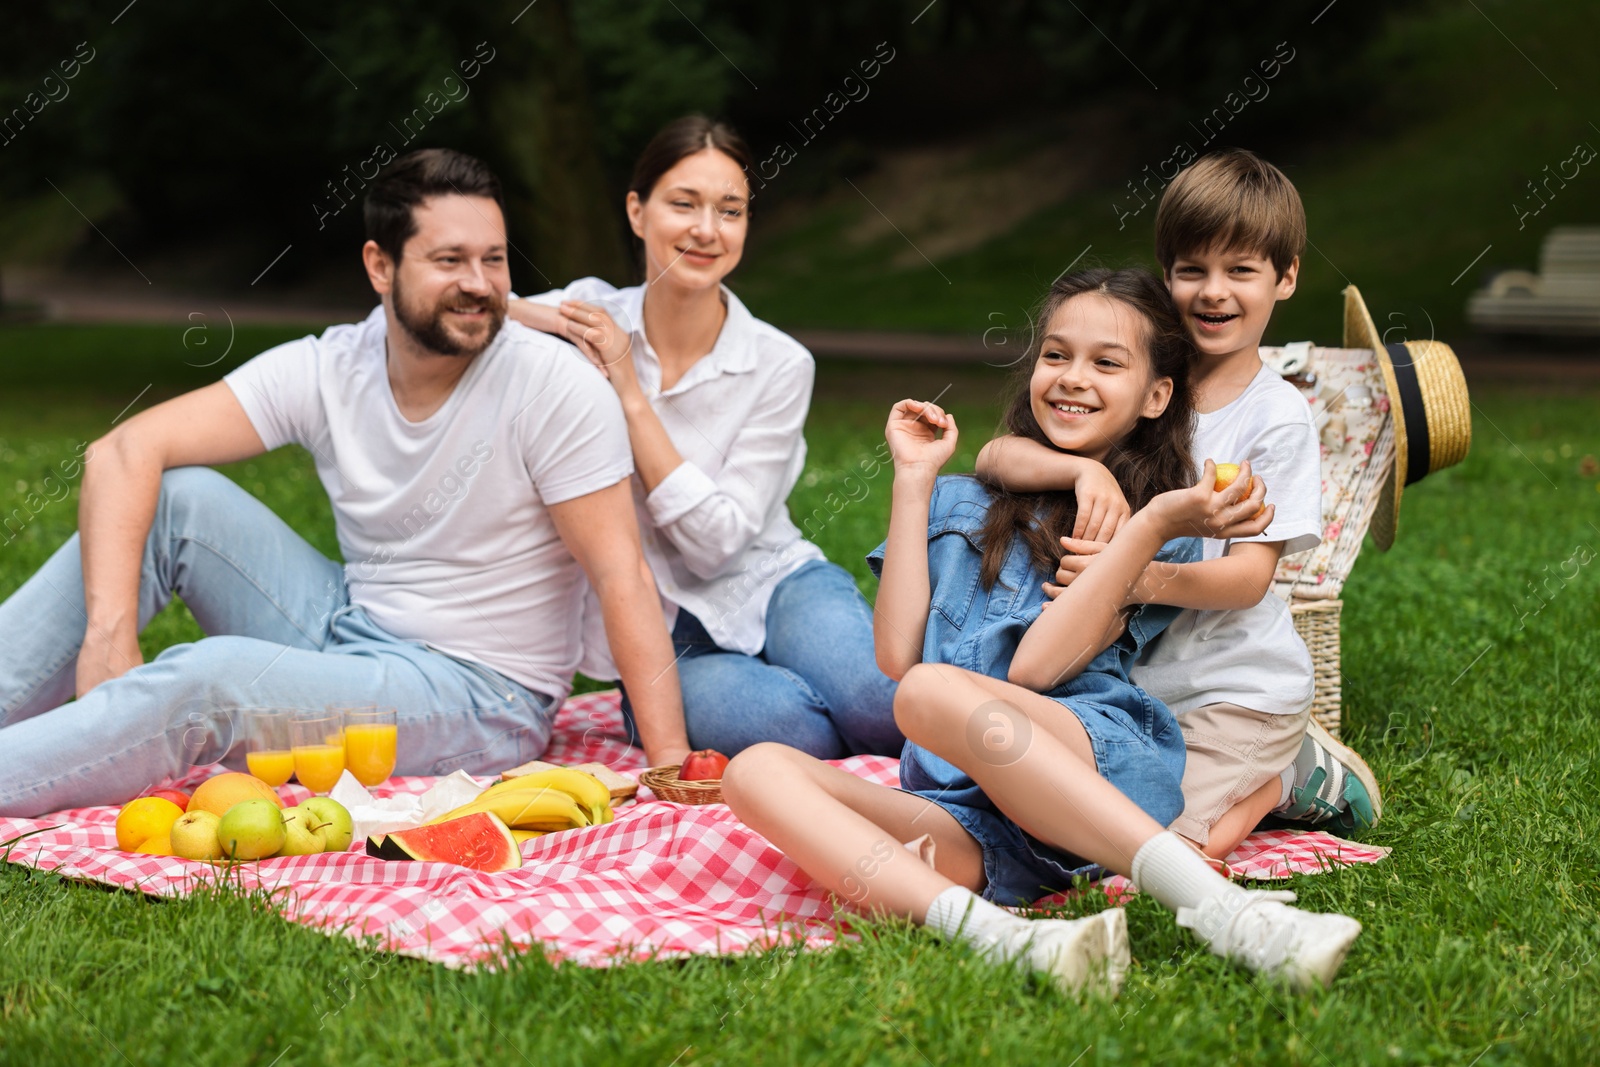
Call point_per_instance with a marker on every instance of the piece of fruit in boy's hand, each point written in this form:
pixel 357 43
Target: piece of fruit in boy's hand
pixel 1227 473
pixel 705 765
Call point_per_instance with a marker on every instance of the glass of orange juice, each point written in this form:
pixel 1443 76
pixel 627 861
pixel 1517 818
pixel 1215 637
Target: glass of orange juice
pixel 317 740
pixel 369 743
pixel 267 744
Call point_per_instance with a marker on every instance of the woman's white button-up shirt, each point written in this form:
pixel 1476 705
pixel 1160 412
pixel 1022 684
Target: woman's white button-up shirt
pixel 716 531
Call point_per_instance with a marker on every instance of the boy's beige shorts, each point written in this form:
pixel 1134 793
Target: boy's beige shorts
pixel 1232 752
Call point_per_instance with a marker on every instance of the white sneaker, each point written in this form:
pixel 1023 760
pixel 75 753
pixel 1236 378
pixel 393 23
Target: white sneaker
pixel 1077 954
pixel 1260 931
pixel 1118 957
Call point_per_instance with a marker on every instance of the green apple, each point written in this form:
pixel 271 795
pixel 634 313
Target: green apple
pixel 336 827
pixel 251 830
pixel 299 837
pixel 194 836
pixel 316 825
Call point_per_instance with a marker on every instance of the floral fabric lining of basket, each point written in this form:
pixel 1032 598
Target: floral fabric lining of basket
pixel 1351 410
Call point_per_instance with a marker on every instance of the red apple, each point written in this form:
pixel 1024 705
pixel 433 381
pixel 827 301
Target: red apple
pixel 705 765
pixel 177 796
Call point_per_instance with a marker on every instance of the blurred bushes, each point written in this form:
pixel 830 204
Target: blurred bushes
pixel 225 122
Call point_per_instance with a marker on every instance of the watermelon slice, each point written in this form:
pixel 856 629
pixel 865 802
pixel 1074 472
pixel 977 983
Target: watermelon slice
pixel 481 841
pixel 379 846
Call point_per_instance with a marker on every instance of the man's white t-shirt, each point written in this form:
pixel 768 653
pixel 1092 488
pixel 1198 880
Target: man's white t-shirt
pixel 1251 657
pixel 444 523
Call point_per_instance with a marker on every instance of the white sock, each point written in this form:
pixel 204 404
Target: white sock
pixel 961 914
pixel 1174 873
pixel 1286 782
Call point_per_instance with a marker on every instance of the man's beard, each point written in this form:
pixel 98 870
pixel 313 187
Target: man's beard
pixel 427 326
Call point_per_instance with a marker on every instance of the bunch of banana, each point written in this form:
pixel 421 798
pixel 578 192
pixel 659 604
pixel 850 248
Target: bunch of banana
pixel 556 799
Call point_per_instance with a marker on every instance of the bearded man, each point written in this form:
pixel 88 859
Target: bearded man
pixel 478 472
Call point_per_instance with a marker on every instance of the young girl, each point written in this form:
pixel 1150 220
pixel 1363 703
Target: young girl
pixel 773 640
pixel 1030 756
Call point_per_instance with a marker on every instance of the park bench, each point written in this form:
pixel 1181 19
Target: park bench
pixel 1562 298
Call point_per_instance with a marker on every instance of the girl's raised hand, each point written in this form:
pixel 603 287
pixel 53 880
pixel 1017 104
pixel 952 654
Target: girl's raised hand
pixel 914 437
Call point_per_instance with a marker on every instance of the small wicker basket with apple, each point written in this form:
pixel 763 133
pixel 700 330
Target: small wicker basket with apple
pixel 697 780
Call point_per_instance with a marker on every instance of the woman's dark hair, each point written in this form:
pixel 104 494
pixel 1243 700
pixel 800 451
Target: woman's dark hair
pixel 394 194
pixel 1153 459
pixel 684 137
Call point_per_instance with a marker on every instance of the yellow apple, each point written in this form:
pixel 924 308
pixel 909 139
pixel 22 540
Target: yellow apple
pixel 194 836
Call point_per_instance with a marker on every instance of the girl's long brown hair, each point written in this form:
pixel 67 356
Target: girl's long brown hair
pixel 1152 459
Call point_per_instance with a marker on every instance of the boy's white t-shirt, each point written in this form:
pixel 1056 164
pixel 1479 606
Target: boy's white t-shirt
pixel 1252 657
pixel 444 524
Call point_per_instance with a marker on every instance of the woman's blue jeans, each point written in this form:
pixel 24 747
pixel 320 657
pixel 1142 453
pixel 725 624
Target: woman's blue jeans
pixel 815 685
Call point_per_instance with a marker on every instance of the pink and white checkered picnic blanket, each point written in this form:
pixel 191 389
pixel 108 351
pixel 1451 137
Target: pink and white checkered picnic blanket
pixel 663 880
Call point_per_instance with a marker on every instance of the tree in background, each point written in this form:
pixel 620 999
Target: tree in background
pixel 536 108
pixel 243 131
pixel 221 131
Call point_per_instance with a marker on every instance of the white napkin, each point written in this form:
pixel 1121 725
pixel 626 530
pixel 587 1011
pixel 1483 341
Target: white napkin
pixel 384 815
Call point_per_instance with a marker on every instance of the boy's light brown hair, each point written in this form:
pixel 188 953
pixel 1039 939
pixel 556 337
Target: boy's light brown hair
pixel 1231 199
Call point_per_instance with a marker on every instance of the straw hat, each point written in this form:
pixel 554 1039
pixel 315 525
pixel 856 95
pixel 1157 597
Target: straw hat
pixel 1427 402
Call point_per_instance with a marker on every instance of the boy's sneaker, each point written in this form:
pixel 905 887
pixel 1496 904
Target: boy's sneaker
pixel 1332 787
pixel 1076 954
pixel 1262 932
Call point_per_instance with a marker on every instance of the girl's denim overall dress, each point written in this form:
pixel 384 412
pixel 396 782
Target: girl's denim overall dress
pixel 1137 744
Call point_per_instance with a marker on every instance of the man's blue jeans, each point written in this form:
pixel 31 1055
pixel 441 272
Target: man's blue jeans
pixel 815 685
pixel 281 633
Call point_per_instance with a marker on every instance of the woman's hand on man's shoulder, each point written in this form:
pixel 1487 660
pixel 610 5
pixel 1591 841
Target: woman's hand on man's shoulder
pixel 541 317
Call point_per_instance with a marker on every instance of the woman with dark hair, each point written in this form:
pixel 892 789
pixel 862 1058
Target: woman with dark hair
pixel 774 641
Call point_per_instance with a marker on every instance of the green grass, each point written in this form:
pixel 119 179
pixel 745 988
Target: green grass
pixel 1481 931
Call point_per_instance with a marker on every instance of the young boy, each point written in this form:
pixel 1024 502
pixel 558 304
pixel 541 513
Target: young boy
pixel 1229 233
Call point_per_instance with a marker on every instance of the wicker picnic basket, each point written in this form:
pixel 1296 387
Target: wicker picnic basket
pixel 1317 622
pixel 1350 404
pixel 666 785
pixel 1357 445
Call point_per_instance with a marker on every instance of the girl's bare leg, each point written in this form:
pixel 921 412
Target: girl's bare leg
pixel 1030 755
pixel 1229 832
pixel 1033 759
pixel 848 833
